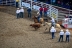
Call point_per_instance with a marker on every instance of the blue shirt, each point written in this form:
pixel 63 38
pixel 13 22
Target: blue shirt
pixel 29 9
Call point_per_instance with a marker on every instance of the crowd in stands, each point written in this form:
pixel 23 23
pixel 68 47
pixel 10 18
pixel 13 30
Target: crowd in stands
pixel 60 3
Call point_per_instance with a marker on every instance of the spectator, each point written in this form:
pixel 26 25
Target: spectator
pixel 52 22
pixel 53 30
pixel 29 12
pixel 45 11
pixel 22 12
pixel 61 35
pixel 41 10
pixel 18 13
pixel 67 33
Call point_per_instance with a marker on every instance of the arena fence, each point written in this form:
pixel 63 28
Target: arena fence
pixel 7 2
pixel 52 12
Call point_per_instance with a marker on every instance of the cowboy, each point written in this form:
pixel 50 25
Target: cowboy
pixel 21 12
pixel 67 33
pixel 53 30
pixel 17 3
pixel 18 13
pixel 45 9
pixel 29 12
pixel 38 16
pixel 61 35
pixel 52 22
pixel 41 10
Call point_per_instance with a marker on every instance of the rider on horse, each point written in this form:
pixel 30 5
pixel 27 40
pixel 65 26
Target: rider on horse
pixel 38 17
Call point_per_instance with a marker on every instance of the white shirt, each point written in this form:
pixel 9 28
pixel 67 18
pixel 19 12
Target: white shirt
pixel 61 33
pixel 52 20
pixel 17 11
pixel 67 33
pixel 53 30
pixel 21 10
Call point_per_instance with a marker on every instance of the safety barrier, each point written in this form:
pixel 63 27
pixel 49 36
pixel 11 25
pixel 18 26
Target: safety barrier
pixel 7 2
pixel 52 12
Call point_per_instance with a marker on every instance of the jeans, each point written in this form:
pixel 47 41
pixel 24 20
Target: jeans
pixel 45 14
pixel 61 37
pixel 53 35
pixel 53 24
pixel 29 14
pixel 41 13
pixel 67 38
pixel 21 14
pixel 38 19
pixel 16 4
pixel 18 15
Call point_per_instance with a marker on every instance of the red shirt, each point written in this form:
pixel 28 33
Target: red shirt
pixel 41 9
pixel 45 9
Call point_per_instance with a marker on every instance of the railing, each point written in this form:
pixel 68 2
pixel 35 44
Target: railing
pixel 52 12
pixel 8 2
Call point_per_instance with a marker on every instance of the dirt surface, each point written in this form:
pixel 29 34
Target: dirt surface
pixel 16 33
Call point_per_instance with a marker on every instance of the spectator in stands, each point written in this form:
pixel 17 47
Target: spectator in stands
pixel 67 33
pixel 21 12
pixel 61 35
pixel 17 4
pixel 29 12
pixel 41 10
pixel 53 30
pixel 52 22
pixel 59 3
pixel 45 9
pixel 18 13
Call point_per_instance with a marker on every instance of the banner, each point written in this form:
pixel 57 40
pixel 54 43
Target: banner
pixel 36 7
pixel 25 4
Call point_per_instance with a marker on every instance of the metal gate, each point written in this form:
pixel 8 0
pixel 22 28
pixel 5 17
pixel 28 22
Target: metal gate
pixel 7 2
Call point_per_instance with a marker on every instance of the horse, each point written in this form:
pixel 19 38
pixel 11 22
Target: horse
pixel 36 20
pixel 49 25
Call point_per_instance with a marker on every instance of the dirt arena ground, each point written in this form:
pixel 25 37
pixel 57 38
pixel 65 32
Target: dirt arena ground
pixel 16 33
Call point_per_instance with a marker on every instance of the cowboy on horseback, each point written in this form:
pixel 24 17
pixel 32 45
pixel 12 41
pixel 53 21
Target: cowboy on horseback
pixel 38 17
pixel 52 22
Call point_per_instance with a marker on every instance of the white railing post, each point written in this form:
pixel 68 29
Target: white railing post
pixel 31 4
pixel 20 2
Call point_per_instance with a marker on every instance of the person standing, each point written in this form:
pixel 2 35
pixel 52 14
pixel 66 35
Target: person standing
pixel 17 3
pixel 18 13
pixel 21 12
pixel 61 35
pixel 67 33
pixel 29 12
pixel 45 9
pixel 41 10
pixel 53 30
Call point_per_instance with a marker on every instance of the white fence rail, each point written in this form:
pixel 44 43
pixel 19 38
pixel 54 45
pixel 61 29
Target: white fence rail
pixel 52 12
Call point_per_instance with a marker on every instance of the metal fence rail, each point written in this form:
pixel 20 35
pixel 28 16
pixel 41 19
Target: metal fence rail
pixel 7 2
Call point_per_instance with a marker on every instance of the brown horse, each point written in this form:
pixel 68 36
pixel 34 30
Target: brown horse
pixel 36 20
